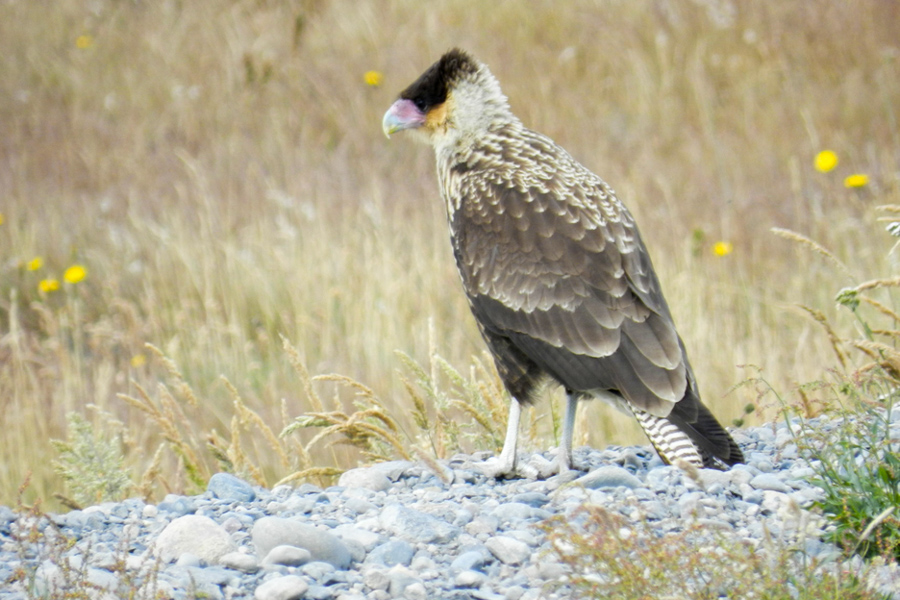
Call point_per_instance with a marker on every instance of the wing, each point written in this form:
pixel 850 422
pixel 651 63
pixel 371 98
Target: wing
pixel 556 269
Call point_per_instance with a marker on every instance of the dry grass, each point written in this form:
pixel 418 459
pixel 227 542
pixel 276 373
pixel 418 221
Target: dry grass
pixel 219 169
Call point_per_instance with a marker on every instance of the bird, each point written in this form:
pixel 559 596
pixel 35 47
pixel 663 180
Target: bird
pixel 555 271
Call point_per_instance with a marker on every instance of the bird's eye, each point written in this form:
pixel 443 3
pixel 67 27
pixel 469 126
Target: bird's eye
pixel 421 104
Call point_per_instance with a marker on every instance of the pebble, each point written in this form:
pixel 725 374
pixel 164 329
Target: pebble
pixel 397 531
pixel 508 550
pixel 609 476
pixel 196 535
pixel 228 487
pixel 289 556
pixel 288 587
pixel 269 532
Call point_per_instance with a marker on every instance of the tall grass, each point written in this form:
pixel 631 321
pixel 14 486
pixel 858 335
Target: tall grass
pixel 219 169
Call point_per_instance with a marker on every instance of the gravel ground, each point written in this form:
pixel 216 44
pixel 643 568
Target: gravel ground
pixel 397 530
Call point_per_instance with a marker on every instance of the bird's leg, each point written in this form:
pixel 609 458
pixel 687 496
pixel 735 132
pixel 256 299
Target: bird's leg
pixel 505 464
pixel 564 459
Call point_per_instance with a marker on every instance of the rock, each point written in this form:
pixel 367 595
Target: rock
pixel 768 481
pixel 471 560
pixel 415 591
pixel 390 553
pixel 486 524
pixel 289 556
pixel 376 579
pixel 351 533
pixel 365 477
pixel 269 532
pixel 518 511
pixel 416 526
pixel 401 578
pixel 287 587
pixel 194 534
pixel 245 563
pixel 226 486
pixel 508 550
pixel 470 579
pixel 535 499
pixel 321 572
pixel 609 476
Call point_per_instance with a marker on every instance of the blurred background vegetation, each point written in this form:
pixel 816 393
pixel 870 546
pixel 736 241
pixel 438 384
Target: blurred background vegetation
pixel 218 171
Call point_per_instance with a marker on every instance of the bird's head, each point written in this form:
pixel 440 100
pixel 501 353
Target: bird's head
pixel 455 99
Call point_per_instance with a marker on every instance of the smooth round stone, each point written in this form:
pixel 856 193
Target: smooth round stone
pixel 194 534
pixel 226 486
pixel 287 587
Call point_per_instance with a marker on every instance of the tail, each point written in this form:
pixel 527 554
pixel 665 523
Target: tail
pixel 690 433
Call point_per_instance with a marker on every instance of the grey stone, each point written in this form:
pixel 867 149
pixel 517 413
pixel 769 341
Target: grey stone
pixel 535 499
pixel 245 563
pixel 768 481
pixel 486 524
pixel 508 550
pixel 287 587
pixel 289 556
pixel 415 591
pixel 390 553
pixel 376 579
pixel 470 579
pixel 269 532
pixel 322 572
pixel 401 578
pixel 365 477
pixel 517 511
pixel 609 476
pixel 351 533
pixel 194 534
pixel 470 560
pixel 415 525
pixel 359 505
pixel 226 486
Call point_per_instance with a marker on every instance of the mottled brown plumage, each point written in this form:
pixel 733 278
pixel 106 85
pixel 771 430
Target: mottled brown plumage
pixel 554 268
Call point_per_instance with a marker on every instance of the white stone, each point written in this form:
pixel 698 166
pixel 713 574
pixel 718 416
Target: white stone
pixel 288 587
pixel 508 550
pixel 194 534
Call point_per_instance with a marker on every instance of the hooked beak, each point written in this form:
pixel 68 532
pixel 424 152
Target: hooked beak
pixel 403 114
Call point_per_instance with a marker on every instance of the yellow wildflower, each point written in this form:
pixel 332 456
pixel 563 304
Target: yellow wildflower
pixel 48 285
pixel 1 218
pixel 856 180
pixel 84 41
pixel 826 160
pixel 75 273
pixel 138 360
pixel 35 263
pixel 373 78
pixel 723 248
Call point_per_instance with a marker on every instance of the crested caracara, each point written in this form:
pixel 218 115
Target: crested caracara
pixel 554 268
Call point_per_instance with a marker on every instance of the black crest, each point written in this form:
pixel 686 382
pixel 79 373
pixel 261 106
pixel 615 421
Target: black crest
pixel 431 88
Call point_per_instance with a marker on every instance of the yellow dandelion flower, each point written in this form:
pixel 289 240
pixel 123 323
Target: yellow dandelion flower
pixel 35 263
pixel 84 41
pixel 723 248
pixel 826 160
pixel 75 273
pixel 48 285
pixel 857 180
pixel 138 360
pixel 373 78
pixel 1 218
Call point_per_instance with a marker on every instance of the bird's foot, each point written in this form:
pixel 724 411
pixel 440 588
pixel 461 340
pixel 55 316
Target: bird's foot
pixel 500 467
pixel 534 467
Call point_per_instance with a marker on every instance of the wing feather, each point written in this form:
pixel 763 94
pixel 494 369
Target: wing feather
pixel 557 268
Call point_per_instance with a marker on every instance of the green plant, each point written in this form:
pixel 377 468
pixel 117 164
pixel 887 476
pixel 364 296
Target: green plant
pixel 47 572
pixel 91 463
pixel 609 556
